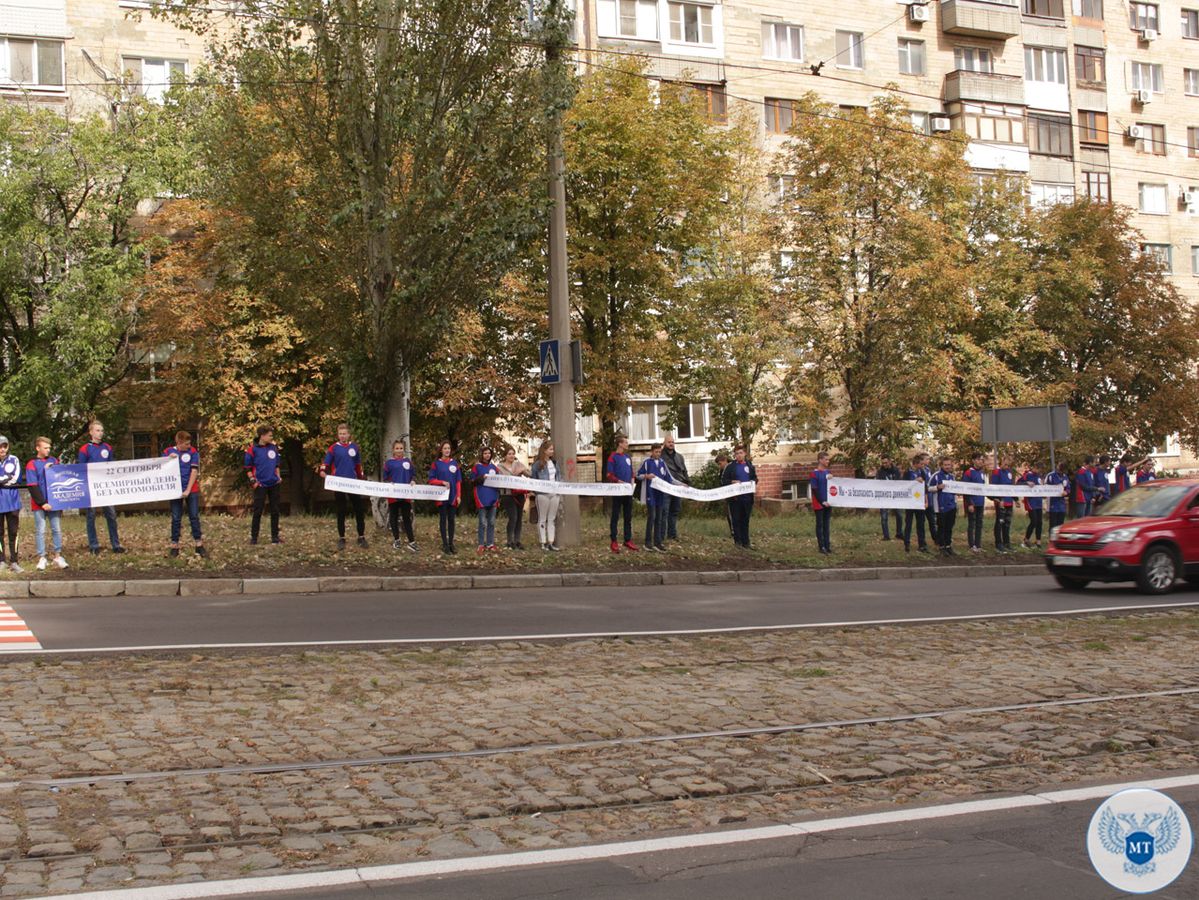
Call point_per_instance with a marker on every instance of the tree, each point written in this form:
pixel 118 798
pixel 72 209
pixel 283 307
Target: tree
pixel 877 225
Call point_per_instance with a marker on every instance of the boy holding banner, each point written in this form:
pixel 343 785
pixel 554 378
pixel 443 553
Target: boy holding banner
pixel 947 505
pixel 35 477
pixel 261 462
pixel 917 472
pixel 620 471
pixel 446 472
pixel 656 503
pixel 741 507
pixel 344 460
pixel 1058 505
pixel 189 476
pixel 398 470
pixel 487 499
pixel 96 450
pixel 820 508
pixel 1002 474
pixel 975 504
pixel 1034 506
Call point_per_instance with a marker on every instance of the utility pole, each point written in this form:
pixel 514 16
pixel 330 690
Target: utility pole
pixel 562 394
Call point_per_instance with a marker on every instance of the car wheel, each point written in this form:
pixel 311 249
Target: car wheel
pixel 1071 584
pixel 1159 571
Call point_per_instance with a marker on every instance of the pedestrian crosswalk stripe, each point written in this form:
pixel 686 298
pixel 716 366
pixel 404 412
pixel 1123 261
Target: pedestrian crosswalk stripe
pixel 14 633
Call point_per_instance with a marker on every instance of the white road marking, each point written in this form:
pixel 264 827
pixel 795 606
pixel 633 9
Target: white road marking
pixel 586 635
pixel 15 635
pixel 441 867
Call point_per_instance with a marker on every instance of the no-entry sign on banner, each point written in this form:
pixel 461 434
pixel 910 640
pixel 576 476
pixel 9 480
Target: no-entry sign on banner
pixel 574 488
pixel 870 493
pixel 735 489
pixel 113 483
pixel 386 489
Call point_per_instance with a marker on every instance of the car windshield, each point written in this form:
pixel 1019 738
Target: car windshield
pixel 1146 500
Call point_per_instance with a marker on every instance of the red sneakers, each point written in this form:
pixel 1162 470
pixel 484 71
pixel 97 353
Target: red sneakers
pixel 615 547
pixel 629 545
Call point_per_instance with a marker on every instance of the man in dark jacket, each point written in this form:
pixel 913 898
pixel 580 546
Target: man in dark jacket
pixel 888 471
pixel 677 466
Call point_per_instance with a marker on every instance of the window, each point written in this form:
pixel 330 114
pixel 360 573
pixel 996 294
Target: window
pixel 782 41
pixel 973 59
pixel 780 187
pixel 1092 127
pixel 1193 142
pixel 644 421
pixel 1154 140
pixel 920 122
pixel 153 77
pixel 850 50
pixel 1142 16
pixel 1154 198
pixel 30 63
pixel 1163 253
pixel 1195 271
pixel 143 445
pixel 692 423
pixel 1190 24
pixel 780 115
pixel 1147 77
pixel 1048 193
pixel 1045 64
pixel 799 431
pixel 691 23
pixel 627 18
pixel 1050 135
pixel 716 101
pixel 911 57
pixel 995 122
pixel 1089 65
pixel 1089 9
pixel 1050 9
pixel 1190 82
pixel 1098 186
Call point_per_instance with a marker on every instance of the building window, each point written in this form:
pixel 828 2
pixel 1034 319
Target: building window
pixel 1050 193
pixel 693 422
pixel 1050 135
pixel 780 115
pixel 994 122
pixel 1190 23
pixel 1194 260
pixel 1092 127
pixel 636 19
pixel 1193 142
pixel 1147 77
pixel 1163 253
pixel 780 187
pixel 1142 16
pixel 850 50
pixel 691 23
pixel 798 431
pixel 715 100
pixel 782 41
pixel 1045 64
pixel 30 63
pixel 973 59
pixel 1049 9
pixel 645 425
pixel 1153 140
pixel 1089 9
pixel 1098 186
pixel 1190 82
pixel 920 122
pixel 1154 198
pixel 1089 66
pixel 152 78
pixel 911 57
pixel 143 445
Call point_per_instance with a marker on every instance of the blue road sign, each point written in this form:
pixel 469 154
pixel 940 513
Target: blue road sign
pixel 551 370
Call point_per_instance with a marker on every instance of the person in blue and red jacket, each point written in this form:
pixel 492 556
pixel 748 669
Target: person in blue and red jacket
pixel 398 470
pixel 1084 488
pixel 947 504
pixel 10 506
pixel 917 471
pixel 261 462
pixel 657 504
pixel 1058 505
pixel 39 495
pixel 1002 474
pixel 620 471
pixel 95 451
pixel 344 459
pixel 1123 480
pixel 1145 473
pixel 487 499
pixel 1034 506
pixel 189 482
pixel 1101 483
pixel 741 507
pixel 818 490
pixel 975 505
pixel 446 472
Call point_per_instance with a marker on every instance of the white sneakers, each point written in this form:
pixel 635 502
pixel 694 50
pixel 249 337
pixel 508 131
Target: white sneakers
pixel 41 564
pixel 58 561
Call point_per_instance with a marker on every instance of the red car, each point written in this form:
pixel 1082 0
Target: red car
pixel 1148 534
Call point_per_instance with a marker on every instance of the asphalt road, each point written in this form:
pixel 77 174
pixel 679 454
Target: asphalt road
pixel 1034 852
pixel 422 616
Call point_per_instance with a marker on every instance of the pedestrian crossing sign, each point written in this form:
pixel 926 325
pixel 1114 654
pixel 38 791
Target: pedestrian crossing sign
pixel 551 370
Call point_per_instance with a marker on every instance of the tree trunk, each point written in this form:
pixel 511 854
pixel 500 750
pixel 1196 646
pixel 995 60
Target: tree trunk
pixel 396 427
pixel 297 493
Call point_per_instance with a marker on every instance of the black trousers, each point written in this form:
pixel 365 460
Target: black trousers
pixel 1056 519
pixel 514 507
pixel 974 525
pixel 909 516
pixel 625 505
pixel 824 518
pixel 740 512
pixel 946 519
pixel 447 518
pixel 401 509
pixel 930 516
pixel 11 522
pixel 1035 519
pixel 1003 526
pixel 262 497
pixel 358 502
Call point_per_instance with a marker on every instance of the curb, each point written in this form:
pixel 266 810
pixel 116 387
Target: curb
pixel 210 587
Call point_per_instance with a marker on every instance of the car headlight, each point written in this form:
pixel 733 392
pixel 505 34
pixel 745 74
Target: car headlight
pixel 1054 532
pixel 1119 536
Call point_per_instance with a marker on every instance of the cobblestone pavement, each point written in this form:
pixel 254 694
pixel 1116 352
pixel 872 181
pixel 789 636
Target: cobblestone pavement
pixel 65 718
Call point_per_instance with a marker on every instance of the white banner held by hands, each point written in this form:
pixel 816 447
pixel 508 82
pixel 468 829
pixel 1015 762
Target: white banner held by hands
pixel 386 489
pixel 736 489
pixel 873 493
pixel 972 489
pixel 574 488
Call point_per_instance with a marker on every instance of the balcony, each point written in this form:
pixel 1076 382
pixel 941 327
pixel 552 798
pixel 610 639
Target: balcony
pixel 983 87
pixel 980 18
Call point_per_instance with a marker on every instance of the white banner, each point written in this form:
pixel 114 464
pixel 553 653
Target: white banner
pixel 1004 490
pixel 575 488
pixel 736 489
pixel 116 483
pixel 386 489
pixel 872 493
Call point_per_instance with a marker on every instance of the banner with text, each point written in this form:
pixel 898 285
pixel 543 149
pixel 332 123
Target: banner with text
pixel 871 493
pixel 1004 490
pixel 115 483
pixel 386 489
pixel 736 489
pixel 574 488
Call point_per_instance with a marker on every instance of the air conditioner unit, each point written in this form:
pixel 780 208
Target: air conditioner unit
pixel 1142 97
pixel 1148 34
pixel 940 123
pixel 1135 132
pixel 918 12
pixel 1189 200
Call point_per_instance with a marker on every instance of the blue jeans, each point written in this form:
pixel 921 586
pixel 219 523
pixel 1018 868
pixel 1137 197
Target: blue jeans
pixel 655 524
pixel 487 526
pixel 824 518
pixel 193 516
pixel 110 516
pixel 39 529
